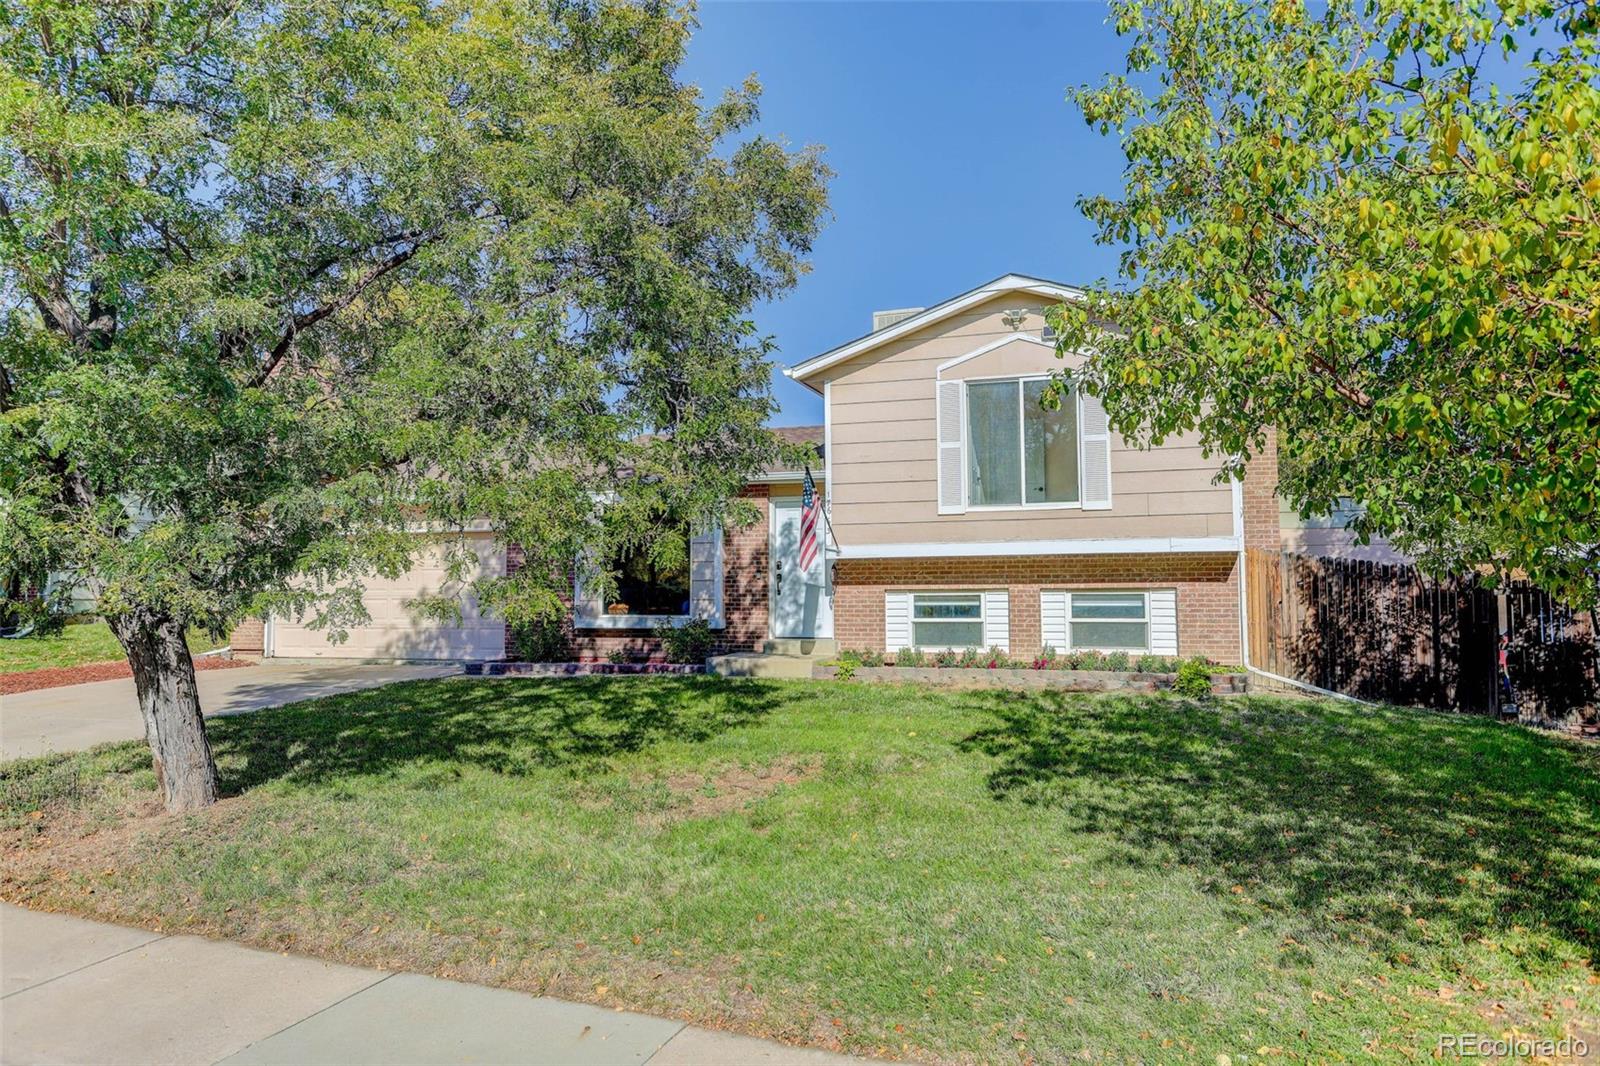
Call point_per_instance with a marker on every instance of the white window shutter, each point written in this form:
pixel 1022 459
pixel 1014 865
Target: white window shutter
pixel 997 619
pixel 1164 622
pixel 586 604
pixel 952 447
pixel 896 621
pixel 705 576
pixel 1053 618
pixel 1095 443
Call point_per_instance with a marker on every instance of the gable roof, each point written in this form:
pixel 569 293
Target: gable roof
pixel 954 305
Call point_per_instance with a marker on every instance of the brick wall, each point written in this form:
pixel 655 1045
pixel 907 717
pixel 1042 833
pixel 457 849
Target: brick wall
pixel 248 637
pixel 1260 498
pixel 744 599
pixel 1208 604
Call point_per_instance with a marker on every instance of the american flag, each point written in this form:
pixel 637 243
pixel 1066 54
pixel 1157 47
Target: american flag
pixel 810 507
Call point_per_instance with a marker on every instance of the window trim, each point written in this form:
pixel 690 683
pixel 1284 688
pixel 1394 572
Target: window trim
pixel 982 619
pixel 1022 445
pixel 591 614
pixel 1144 599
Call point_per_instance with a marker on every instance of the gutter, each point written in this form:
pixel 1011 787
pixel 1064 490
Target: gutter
pixel 1244 618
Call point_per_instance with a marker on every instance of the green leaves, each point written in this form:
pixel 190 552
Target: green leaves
pixel 1341 228
pixel 294 280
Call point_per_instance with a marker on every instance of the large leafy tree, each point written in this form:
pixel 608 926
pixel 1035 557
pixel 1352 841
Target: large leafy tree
pixel 291 288
pixel 1372 226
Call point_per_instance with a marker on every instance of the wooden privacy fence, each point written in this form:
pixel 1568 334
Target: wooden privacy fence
pixel 1387 632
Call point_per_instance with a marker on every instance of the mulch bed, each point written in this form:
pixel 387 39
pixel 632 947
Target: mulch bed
pixel 56 676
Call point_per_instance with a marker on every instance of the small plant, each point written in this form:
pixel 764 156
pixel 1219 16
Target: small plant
pixel 946 658
pixel 870 657
pixel 1117 660
pixel 996 659
pixel 1194 679
pixel 1151 664
pixel 1090 660
pixel 971 658
pixel 908 657
pixel 544 641
pixel 844 669
pixel 617 656
pixel 688 643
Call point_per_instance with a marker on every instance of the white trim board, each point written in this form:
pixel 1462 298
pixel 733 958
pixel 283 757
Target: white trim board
pixel 989 548
pixel 938 312
pixel 1001 343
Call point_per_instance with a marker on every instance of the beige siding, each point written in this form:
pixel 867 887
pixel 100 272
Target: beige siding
pixel 883 459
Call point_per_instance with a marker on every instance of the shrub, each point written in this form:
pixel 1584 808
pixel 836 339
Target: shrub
pixel 844 669
pixel 1117 660
pixel 1194 679
pixel 908 657
pixel 688 643
pixel 617 656
pixel 870 657
pixel 946 658
pixel 996 659
pixel 547 640
pixel 971 658
pixel 1090 660
pixel 1151 664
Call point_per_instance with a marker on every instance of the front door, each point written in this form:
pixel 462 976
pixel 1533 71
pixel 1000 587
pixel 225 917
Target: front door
pixel 801 604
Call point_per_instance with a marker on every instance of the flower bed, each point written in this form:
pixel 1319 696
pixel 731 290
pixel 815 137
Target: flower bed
pixel 1222 684
pixel 579 669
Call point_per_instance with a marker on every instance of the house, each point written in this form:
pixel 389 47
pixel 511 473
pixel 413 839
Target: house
pixel 964 511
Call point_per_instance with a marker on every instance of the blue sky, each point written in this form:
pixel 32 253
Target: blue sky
pixel 957 156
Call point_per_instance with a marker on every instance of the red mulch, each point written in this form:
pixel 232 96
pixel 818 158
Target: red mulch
pixel 56 676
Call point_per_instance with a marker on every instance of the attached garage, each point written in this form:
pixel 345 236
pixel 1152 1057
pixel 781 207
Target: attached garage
pixel 393 632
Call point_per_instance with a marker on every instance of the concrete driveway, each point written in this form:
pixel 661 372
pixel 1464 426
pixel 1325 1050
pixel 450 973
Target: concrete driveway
pixel 74 717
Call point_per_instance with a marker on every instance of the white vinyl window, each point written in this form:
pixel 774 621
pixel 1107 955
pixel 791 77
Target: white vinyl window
pixel 1021 453
pixel 1110 621
pixel 941 620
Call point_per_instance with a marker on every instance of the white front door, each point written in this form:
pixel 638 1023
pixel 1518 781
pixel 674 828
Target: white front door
pixel 801 602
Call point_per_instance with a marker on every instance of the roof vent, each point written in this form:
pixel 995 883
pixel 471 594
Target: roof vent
pixel 885 319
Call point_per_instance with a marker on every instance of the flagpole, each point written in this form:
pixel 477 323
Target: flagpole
pixel 822 507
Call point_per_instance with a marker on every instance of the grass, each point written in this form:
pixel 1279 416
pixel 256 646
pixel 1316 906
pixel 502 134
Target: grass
pixel 957 876
pixel 74 645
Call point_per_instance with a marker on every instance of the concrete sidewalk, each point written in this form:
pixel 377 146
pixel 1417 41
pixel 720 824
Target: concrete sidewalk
pixel 76 991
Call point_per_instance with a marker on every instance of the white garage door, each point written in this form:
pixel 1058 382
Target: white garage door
pixel 393 632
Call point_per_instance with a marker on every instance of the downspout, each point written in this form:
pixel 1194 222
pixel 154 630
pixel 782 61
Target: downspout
pixel 1244 617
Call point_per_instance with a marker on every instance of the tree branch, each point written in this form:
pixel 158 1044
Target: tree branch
pixel 300 323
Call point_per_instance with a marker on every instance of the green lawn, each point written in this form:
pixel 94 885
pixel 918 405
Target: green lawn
pixel 87 642
pixel 978 875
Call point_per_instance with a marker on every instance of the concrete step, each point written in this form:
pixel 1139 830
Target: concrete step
pixel 751 664
pixel 821 647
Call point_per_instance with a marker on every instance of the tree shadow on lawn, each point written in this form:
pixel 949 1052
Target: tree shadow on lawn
pixel 511 726
pixel 1335 814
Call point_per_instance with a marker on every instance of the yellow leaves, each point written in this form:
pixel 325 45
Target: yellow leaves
pixel 601 990
pixel 1452 139
pixel 1364 209
pixel 1569 118
pixel 1592 186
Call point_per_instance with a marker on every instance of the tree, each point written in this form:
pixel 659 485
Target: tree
pixel 287 284
pixel 1363 227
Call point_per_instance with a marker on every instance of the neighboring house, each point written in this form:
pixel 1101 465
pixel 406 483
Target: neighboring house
pixel 963 514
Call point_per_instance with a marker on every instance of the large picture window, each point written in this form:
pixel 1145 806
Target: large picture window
pixel 1110 621
pixel 947 620
pixel 651 584
pixel 1020 453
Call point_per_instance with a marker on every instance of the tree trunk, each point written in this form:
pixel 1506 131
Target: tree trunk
pixel 163 674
